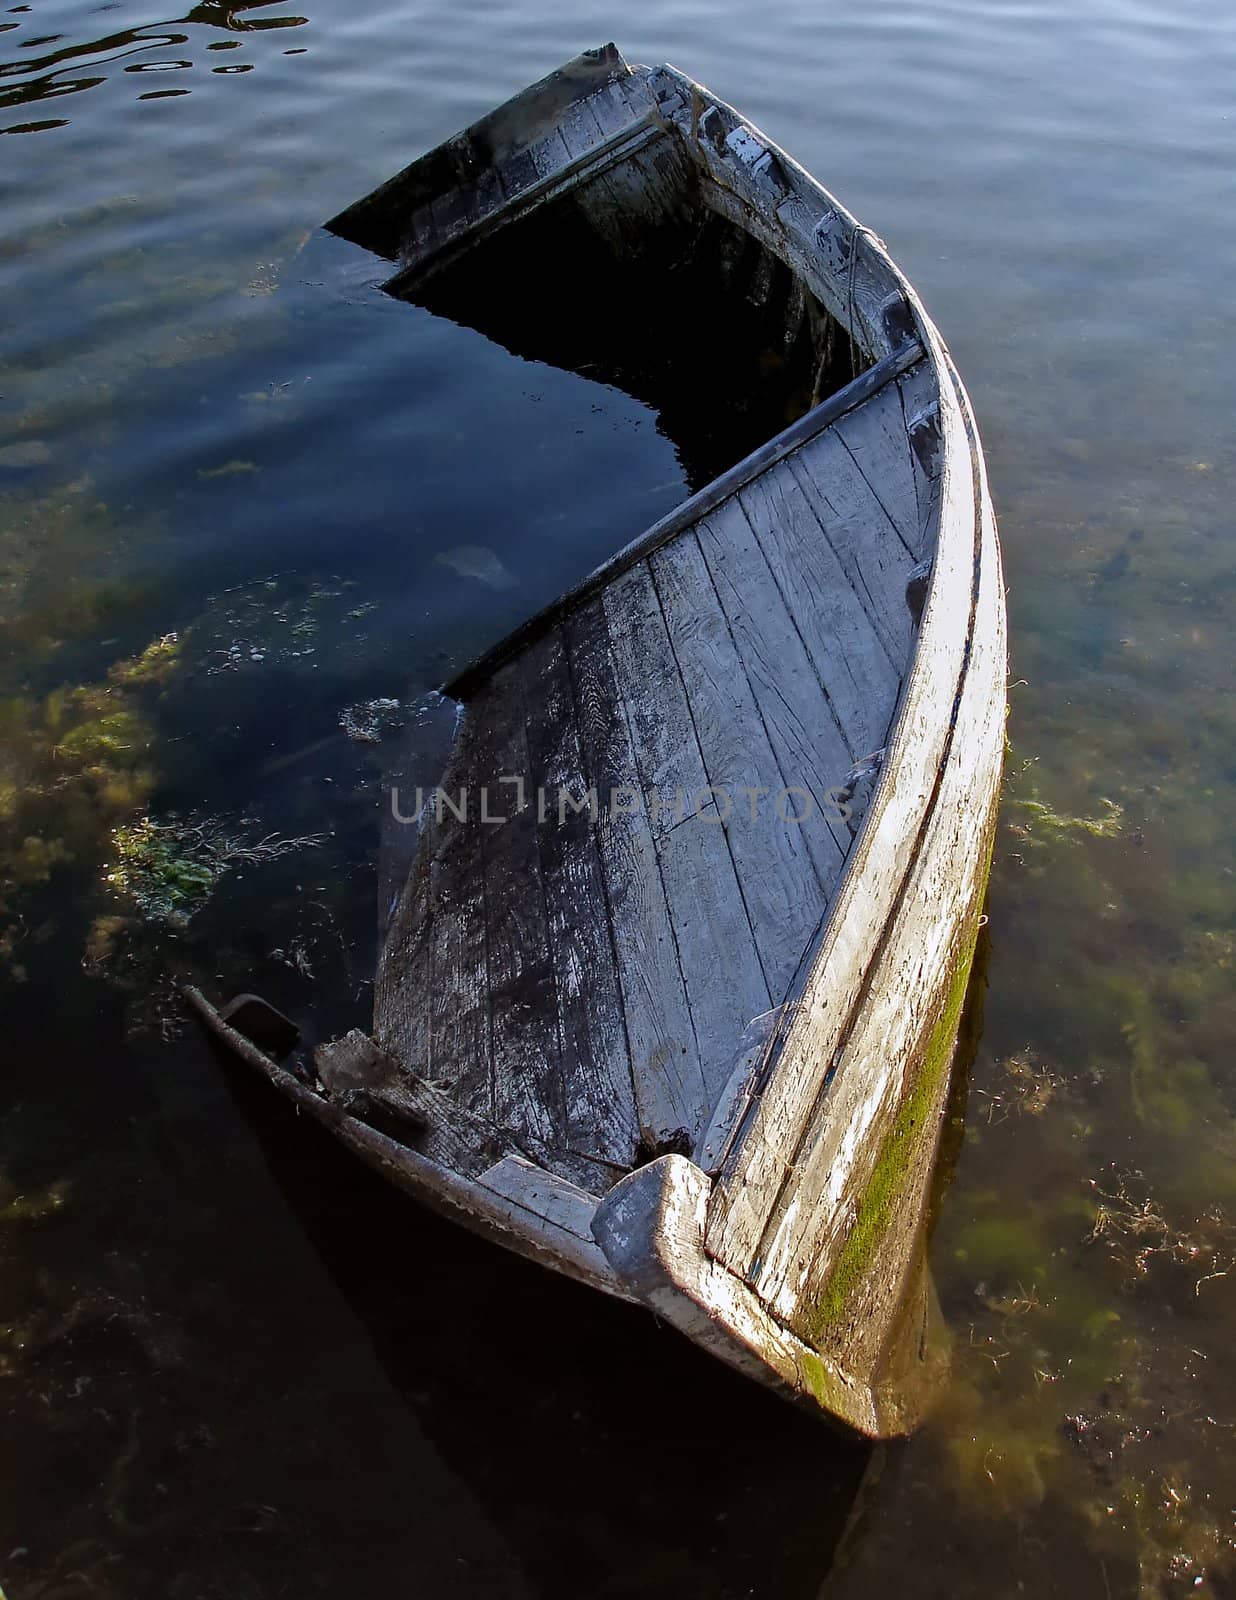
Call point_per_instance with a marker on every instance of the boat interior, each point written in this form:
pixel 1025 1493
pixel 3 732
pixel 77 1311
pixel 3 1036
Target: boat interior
pixel 648 794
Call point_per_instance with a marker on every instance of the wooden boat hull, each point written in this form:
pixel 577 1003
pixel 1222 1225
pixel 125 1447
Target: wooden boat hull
pixel 698 1064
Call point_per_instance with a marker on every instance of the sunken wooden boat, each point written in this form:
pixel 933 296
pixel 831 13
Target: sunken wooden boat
pixel 671 988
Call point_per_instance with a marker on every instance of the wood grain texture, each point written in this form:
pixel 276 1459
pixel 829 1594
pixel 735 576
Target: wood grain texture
pixel 847 657
pixel 525 1047
pixel 874 437
pixel 759 1168
pixel 857 1264
pixel 599 1113
pixel 716 950
pixel 808 747
pixel 883 1046
pixel 866 544
pixel 668 1080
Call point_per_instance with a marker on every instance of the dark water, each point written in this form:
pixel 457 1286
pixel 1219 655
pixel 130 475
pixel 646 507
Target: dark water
pixel 231 1364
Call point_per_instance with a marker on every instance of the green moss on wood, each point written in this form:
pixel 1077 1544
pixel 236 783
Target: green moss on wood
pixel 891 1174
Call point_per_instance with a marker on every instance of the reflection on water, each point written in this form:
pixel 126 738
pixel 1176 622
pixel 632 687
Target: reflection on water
pixel 243 494
pixel 51 75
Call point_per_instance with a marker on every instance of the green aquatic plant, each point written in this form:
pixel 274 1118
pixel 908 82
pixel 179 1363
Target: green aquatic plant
pixel 166 871
pixel 163 873
pixel 1044 826
pixel 156 664
pixel 76 763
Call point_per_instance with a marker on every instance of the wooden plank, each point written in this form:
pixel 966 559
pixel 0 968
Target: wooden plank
pixel 616 106
pixel 376 221
pixel 581 131
pixel 649 1227
pixel 550 154
pixel 805 428
pixel 544 1197
pixel 404 980
pixel 920 410
pixel 777 873
pixel 530 177
pixel 878 1056
pixel 720 964
pixel 598 198
pixel 875 437
pixel 810 751
pixel 406 1000
pixel 670 1092
pixel 865 543
pixel 847 654
pixel 376 1088
pixel 458 1054
pixel 600 1120
pixel 525 1051
pixel 757 1168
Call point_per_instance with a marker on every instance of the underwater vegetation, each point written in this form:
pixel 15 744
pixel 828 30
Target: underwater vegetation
pixel 73 764
pixel 165 871
pixel 1086 1251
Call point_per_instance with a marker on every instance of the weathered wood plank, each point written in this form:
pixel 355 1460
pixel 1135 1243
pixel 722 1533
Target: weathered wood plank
pixel 758 1166
pixel 600 1119
pixel 879 1055
pixel 670 1092
pixel 617 105
pixel 525 1050
pixel 376 1088
pixel 920 411
pixel 875 437
pixel 404 982
pixel 458 1052
pixel 855 524
pixel 529 177
pixel 377 222
pixel 777 873
pixel 545 1198
pixel 602 202
pixel 650 1227
pixel 720 963
pixel 406 1001
pixel 807 742
pixel 847 655
pixel 550 154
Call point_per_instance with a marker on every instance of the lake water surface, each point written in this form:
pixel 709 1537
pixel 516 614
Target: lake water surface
pixel 242 495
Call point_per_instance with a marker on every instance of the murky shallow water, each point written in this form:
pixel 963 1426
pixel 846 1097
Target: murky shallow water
pixel 230 1362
